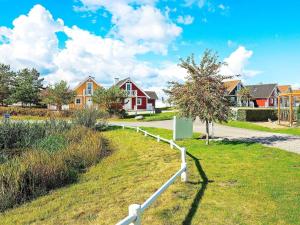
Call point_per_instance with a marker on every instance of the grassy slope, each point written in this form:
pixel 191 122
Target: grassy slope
pixel 253 126
pixel 229 183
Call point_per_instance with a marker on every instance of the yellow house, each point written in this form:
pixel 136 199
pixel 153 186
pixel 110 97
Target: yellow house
pixel 84 92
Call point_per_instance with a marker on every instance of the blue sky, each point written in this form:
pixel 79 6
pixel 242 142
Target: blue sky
pixel 145 38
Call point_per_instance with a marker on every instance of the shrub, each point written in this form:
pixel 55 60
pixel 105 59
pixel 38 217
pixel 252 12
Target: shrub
pixel 88 118
pixel 298 115
pixel 26 134
pixel 52 143
pixel 259 114
pixel 37 172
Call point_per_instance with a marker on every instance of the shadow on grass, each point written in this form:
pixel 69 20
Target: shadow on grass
pixel 267 140
pixel 196 202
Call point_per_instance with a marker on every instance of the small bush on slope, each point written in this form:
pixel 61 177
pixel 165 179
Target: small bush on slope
pixel 88 118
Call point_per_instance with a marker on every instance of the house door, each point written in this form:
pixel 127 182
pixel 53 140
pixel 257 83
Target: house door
pixel 89 102
pixel 128 104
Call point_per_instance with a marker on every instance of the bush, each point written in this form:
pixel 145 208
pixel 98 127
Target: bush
pixel 259 114
pixel 37 172
pixel 17 111
pixel 26 134
pixel 52 143
pixel 298 115
pixel 88 118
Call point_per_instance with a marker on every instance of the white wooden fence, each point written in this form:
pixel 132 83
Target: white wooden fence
pixel 135 210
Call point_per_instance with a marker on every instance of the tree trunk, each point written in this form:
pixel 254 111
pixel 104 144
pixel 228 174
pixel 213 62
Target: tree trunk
pixel 207 131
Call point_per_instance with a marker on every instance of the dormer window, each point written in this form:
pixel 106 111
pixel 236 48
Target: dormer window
pixel 128 86
pixel 89 88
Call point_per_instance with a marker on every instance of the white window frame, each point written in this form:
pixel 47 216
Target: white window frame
pixel 87 85
pixel 76 101
pixel 139 103
pixel 130 85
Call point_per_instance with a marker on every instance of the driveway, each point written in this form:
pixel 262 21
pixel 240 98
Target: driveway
pixel 282 141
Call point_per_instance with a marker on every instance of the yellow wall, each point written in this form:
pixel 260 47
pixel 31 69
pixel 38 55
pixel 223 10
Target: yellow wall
pixel 80 94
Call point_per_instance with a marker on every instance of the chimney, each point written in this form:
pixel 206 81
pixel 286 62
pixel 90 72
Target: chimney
pixel 116 80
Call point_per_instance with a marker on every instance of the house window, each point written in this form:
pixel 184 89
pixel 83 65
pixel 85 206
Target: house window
pixel 77 101
pixel 89 88
pixel 128 86
pixel 139 101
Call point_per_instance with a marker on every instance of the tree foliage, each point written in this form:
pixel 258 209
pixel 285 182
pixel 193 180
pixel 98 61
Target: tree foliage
pixel 245 95
pixel 7 77
pixel 28 86
pixel 110 99
pixel 203 94
pixel 59 94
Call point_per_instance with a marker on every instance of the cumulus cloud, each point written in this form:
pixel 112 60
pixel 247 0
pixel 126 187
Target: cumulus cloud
pixel 32 41
pixel 143 23
pixel 186 20
pixel 236 63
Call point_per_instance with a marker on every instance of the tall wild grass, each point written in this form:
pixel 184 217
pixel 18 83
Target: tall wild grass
pixel 36 172
pixel 25 134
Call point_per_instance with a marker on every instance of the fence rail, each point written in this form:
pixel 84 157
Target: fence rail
pixel 135 210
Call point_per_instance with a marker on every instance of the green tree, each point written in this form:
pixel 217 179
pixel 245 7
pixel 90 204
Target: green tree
pixel 111 99
pixel 203 94
pixel 6 84
pixel 59 94
pixel 244 95
pixel 28 86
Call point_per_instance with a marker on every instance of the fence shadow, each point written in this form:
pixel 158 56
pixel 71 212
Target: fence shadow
pixel 196 202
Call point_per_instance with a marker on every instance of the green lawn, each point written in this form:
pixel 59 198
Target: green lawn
pixel 253 126
pixel 149 117
pixel 229 183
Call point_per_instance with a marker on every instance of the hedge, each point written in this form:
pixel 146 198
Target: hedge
pixel 259 114
pixel 34 112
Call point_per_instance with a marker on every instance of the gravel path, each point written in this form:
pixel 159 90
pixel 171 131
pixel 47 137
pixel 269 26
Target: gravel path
pixel 282 141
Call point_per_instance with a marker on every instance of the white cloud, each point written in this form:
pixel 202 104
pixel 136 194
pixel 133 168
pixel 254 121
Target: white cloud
pixel 208 5
pixel 200 3
pixel 32 41
pixel 186 20
pixel 296 86
pixel 142 23
pixel 237 62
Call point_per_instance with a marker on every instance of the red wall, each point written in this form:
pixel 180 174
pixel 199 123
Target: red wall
pixel 261 102
pixel 142 106
pixel 152 101
pixel 135 88
pixel 141 95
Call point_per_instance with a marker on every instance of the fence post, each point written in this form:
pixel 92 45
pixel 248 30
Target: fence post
pixel 171 144
pixel 123 126
pixel 135 210
pixel 145 133
pixel 158 138
pixel 183 165
pixel 137 129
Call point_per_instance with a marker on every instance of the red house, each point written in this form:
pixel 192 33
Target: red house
pixel 264 95
pixel 138 99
